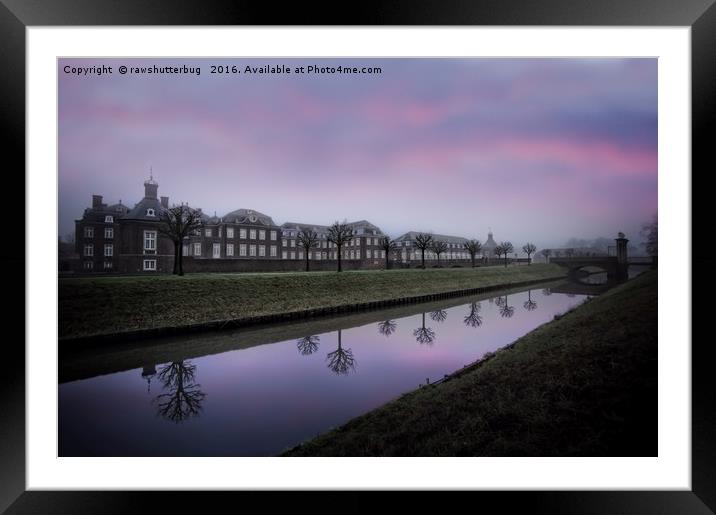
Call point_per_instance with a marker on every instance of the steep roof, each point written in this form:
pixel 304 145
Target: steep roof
pixel 410 236
pixel 243 215
pixel 140 210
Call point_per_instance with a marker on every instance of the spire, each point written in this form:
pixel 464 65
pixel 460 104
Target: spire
pixel 150 186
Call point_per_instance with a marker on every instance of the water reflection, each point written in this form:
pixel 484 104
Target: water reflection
pixel 424 335
pixel 341 361
pixel 506 311
pixel 546 292
pixel 183 397
pixel 473 318
pixel 439 316
pixel 529 304
pixel 308 344
pixel 387 327
pixel 252 405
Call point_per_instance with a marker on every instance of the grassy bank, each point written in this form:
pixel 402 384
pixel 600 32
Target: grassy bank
pixel 583 385
pixel 106 305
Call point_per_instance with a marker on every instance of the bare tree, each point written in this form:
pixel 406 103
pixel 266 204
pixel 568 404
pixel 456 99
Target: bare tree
pixel 308 240
pixel 341 360
pixel 308 344
pixel 506 311
pixel 473 318
pixel 438 247
pixel 340 234
pixel 439 316
pixel 424 334
pixel 423 241
pixel 499 251
pixel 506 247
pixel 529 249
pixel 387 327
pixel 69 237
pixel 529 304
pixel 650 231
pixel 473 248
pixel 177 223
pixel 184 397
pixel 388 246
pixel 546 253
pixel 546 292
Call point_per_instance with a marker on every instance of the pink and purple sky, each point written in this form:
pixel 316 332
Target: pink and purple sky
pixel 537 149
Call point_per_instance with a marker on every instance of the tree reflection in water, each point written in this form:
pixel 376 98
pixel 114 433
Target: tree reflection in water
pixel 506 311
pixel 439 316
pixel 473 319
pixel 183 397
pixel 529 304
pixel 308 344
pixel 341 360
pixel 424 334
pixel 546 292
pixel 387 328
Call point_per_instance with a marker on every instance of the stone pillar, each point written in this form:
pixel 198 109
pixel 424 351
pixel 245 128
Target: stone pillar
pixel 622 261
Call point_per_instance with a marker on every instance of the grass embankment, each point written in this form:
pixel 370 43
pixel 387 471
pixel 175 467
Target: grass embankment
pixel 107 305
pixel 583 385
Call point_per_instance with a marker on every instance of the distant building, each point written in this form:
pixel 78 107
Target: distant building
pixel 488 248
pixel 408 252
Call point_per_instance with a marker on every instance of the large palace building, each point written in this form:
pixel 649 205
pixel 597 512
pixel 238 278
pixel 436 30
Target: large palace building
pixel 116 238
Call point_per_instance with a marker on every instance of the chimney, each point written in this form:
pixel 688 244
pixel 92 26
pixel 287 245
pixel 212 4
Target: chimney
pixel 165 202
pixel 96 201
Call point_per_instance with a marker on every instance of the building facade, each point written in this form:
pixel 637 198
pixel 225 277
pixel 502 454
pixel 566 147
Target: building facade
pixel 118 239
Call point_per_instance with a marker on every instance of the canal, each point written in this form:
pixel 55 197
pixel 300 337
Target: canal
pixel 259 391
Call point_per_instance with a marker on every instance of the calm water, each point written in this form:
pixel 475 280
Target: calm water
pixel 259 392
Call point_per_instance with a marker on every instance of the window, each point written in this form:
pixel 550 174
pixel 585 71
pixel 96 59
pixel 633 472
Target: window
pixel 242 249
pixel 352 254
pixel 273 235
pixel 358 240
pixel 284 243
pixel 89 232
pixel 273 251
pixel 197 249
pixel 229 249
pixel 293 243
pixel 219 232
pixel 108 233
pixel 89 250
pixel 185 250
pixel 252 234
pixel 382 254
pixel 262 235
pixel 150 212
pixel 150 264
pixel 150 242
pixel 216 250
pixel 284 255
pixel 375 241
pixel 252 250
pixel 207 233
pixel 300 254
pixel 108 250
pixel 107 265
pixel 88 265
pixel 242 233
pixel 293 255
pixel 229 232
pixel 368 254
pixel 262 250
pixel 109 219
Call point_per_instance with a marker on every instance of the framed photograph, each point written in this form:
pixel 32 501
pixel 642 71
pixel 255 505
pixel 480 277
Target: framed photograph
pixel 415 253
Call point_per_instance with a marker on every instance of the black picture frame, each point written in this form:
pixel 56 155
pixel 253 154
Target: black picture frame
pixel 16 15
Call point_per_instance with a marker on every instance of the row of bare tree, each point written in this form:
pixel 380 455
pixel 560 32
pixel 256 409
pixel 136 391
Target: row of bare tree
pixel 178 222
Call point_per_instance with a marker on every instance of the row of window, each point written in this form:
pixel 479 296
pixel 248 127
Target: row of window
pixel 244 250
pixel 108 232
pixel 108 250
pixel 148 264
pixel 252 233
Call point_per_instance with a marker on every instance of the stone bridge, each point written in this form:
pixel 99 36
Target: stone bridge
pixel 610 264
